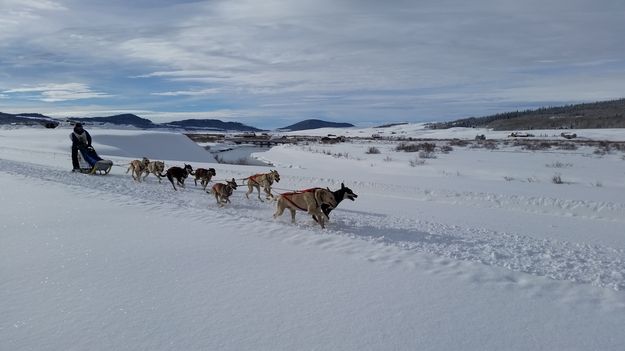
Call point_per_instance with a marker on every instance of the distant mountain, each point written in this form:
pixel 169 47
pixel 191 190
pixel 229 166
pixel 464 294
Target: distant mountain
pixel 123 119
pixel 211 124
pixel 314 124
pixel 28 119
pixel 129 119
pixel 603 114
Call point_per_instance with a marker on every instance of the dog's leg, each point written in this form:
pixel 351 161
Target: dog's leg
pixel 279 209
pixel 217 197
pixel 258 187
pixel 171 180
pixel 250 189
pixel 268 192
pixel 292 215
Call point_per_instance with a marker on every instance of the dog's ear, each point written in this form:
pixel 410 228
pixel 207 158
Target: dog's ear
pixel 342 186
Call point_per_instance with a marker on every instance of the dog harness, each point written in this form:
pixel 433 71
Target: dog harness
pixel 287 195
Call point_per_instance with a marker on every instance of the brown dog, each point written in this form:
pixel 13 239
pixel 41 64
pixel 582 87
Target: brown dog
pixel 204 175
pixel 179 173
pixel 309 200
pixel 156 168
pixel 138 167
pixel 264 180
pixel 222 191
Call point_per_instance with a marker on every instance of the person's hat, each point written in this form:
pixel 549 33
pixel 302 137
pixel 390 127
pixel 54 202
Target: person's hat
pixel 78 125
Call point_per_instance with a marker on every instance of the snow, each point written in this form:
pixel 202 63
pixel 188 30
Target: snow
pixel 444 255
pixel 419 130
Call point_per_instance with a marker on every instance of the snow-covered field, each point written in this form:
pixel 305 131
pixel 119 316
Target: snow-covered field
pixel 474 250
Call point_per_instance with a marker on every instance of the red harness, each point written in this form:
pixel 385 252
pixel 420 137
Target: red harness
pixel 253 178
pixel 287 196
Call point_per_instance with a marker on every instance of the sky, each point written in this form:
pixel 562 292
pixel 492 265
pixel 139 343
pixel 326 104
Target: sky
pixel 272 63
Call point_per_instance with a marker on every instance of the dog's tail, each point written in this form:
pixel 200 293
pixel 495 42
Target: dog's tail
pixel 129 167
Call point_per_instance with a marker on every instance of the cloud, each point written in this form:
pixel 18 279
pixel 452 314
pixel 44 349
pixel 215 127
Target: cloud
pixel 346 59
pixel 59 92
pixel 202 92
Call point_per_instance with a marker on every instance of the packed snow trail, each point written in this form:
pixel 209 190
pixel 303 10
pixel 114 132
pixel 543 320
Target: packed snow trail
pixel 598 265
pixel 85 269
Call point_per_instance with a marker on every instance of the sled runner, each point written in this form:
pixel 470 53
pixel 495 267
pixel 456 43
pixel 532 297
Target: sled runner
pixel 95 162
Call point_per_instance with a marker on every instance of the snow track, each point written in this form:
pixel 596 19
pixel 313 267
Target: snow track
pixel 599 265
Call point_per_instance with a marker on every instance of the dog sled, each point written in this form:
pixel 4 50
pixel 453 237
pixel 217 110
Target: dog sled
pixel 91 163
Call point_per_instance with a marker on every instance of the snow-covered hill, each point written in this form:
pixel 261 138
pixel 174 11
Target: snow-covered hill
pixel 475 250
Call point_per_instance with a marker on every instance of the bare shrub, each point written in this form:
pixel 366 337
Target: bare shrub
pixel 428 147
pixel 535 146
pixel 388 159
pixel 416 162
pixel 559 164
pixel 619 146
pixel 557 179
pixel 426 154
pixel 446 149
pixel 411 147
pixel 407 147
pixel 490 145
pixel 482 144
pixel 373 150
pixel 567 146
pixel 459 142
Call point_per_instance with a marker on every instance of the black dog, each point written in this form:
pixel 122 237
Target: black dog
pixel 339 195
pixel 179 173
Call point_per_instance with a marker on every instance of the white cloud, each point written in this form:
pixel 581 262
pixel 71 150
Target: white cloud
pixel 202 92
pixel 59 92
pixel 322 57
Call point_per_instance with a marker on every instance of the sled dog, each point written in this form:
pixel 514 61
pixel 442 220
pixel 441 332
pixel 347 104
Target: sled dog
pixel 339 195
pixel 309 200
pixel 138 167
pixel 156 168
pixel 222 191
pixel 204 175
pixel 264 180
pixel 179 173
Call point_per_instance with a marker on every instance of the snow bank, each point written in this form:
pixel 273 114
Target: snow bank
pixel 108 143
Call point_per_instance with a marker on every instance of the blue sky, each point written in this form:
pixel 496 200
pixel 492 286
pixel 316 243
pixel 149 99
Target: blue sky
pixel 271 63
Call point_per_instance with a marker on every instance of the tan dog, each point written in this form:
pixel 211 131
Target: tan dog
pixel 138 167
pixel 309 200
pixel 264 180
pixel 204 175
pixel 156 168
pixel 222 191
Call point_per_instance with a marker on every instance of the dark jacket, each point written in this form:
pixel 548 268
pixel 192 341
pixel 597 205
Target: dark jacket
pixel 77 143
